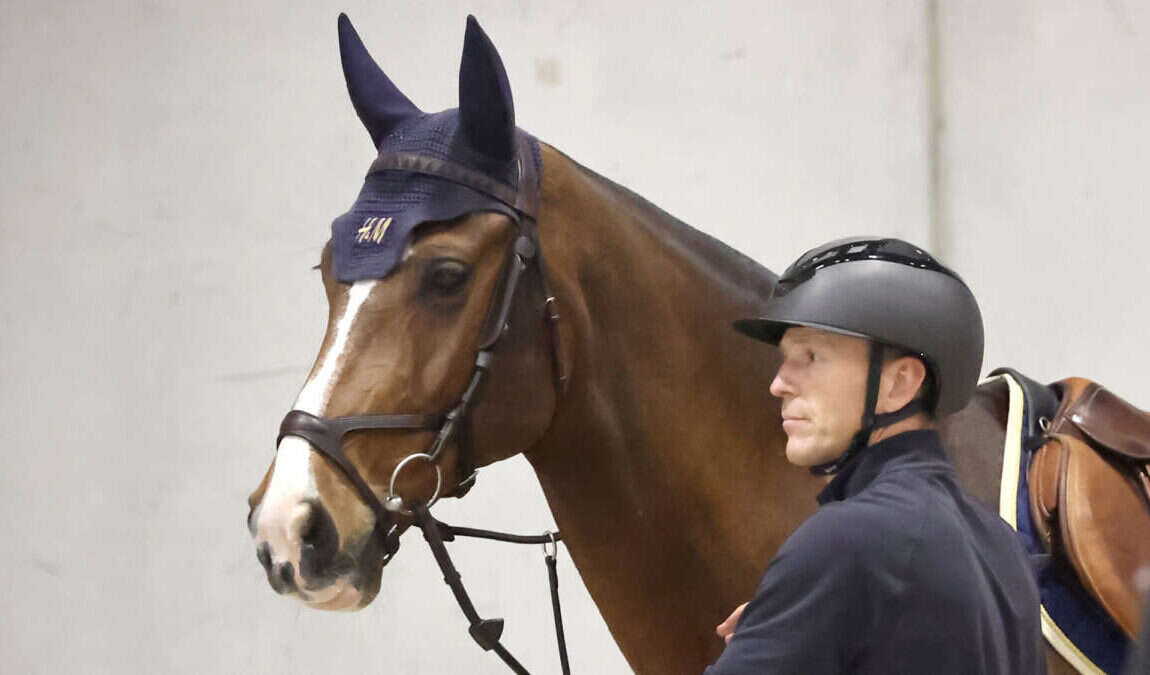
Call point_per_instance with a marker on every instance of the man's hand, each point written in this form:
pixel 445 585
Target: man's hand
pixel 726 630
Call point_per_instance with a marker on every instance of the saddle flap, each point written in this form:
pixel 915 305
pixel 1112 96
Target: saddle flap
pixel 1043 479
pixel 1113 423
pixel 1105 530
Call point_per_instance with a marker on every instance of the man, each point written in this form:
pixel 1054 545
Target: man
pixel 898 571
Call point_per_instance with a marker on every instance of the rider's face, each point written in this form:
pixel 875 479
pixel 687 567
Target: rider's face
pixel 822 382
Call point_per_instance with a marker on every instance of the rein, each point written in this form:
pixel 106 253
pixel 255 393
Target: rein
pixel 326 434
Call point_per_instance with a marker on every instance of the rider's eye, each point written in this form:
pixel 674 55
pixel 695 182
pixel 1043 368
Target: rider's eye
pixel 445 276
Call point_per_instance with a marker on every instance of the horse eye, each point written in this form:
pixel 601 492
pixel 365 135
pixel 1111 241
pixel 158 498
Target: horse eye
pixel 445 276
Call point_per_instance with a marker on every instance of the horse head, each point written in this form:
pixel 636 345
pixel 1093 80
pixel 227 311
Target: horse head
pixel 434 265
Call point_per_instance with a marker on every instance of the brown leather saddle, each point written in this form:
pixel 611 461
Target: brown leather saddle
pixel 1090 494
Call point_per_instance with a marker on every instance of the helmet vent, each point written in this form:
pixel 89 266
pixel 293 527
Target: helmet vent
pixel 889 250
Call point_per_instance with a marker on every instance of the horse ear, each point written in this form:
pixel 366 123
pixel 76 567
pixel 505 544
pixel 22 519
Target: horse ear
pixel 486 113
pixel 379 103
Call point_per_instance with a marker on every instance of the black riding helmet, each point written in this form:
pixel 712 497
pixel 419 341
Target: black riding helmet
pixel 892 293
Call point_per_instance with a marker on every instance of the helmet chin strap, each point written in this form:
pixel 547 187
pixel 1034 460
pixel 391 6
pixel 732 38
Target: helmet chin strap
pixel 870 421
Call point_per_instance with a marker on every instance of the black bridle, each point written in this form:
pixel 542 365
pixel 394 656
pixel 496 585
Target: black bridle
pixel 325 434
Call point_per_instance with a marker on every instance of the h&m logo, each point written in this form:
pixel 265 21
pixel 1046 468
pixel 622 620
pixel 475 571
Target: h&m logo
pixel 372 230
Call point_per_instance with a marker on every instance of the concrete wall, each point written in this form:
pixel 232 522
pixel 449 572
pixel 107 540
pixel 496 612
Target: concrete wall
pixel 170 169
pixel 1045 141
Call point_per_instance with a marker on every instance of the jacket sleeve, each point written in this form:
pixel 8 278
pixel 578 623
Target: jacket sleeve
pixel 810 611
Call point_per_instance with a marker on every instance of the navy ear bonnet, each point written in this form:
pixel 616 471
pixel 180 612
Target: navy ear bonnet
pixel 431 167
pixel 369 240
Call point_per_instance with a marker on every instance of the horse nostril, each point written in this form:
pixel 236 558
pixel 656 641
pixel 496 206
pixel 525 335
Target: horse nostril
pixel 282 578
pixel 264 555
pixel 287 574
pixel 319 542
pixel 309 529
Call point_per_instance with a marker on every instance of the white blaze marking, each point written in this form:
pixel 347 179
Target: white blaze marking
pixel 293 479
pixel 313 398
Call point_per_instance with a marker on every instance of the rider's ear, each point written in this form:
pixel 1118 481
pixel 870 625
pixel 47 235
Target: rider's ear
pixel 379 103
pixel 486 113
pixel 905 376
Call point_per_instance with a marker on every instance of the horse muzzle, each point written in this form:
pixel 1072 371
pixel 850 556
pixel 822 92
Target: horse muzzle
pixel 299 547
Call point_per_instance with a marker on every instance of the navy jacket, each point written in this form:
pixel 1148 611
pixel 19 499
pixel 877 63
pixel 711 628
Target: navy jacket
pixel 897 572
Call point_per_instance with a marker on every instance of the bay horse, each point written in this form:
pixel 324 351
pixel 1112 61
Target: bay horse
pixel 662 439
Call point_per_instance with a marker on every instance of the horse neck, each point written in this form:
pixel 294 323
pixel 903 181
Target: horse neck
pixel 664 465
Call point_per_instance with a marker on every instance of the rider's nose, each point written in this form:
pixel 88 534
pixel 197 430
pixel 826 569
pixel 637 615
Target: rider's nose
pixel 781 385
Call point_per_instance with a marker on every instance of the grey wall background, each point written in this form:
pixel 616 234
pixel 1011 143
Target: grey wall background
pixel 169 171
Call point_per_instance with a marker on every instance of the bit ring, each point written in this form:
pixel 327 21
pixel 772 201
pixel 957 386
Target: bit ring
pixel 394 502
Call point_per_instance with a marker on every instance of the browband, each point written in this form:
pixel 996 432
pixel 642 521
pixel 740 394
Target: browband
pixel 523 198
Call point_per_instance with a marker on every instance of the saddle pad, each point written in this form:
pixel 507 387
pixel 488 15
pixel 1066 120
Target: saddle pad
pixel 1074 624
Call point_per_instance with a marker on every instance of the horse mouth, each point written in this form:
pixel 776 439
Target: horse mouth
pixel 350 591
pixel 353 580
pixel 337 597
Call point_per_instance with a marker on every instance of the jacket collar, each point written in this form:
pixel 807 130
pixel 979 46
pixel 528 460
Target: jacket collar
pixel 918 447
